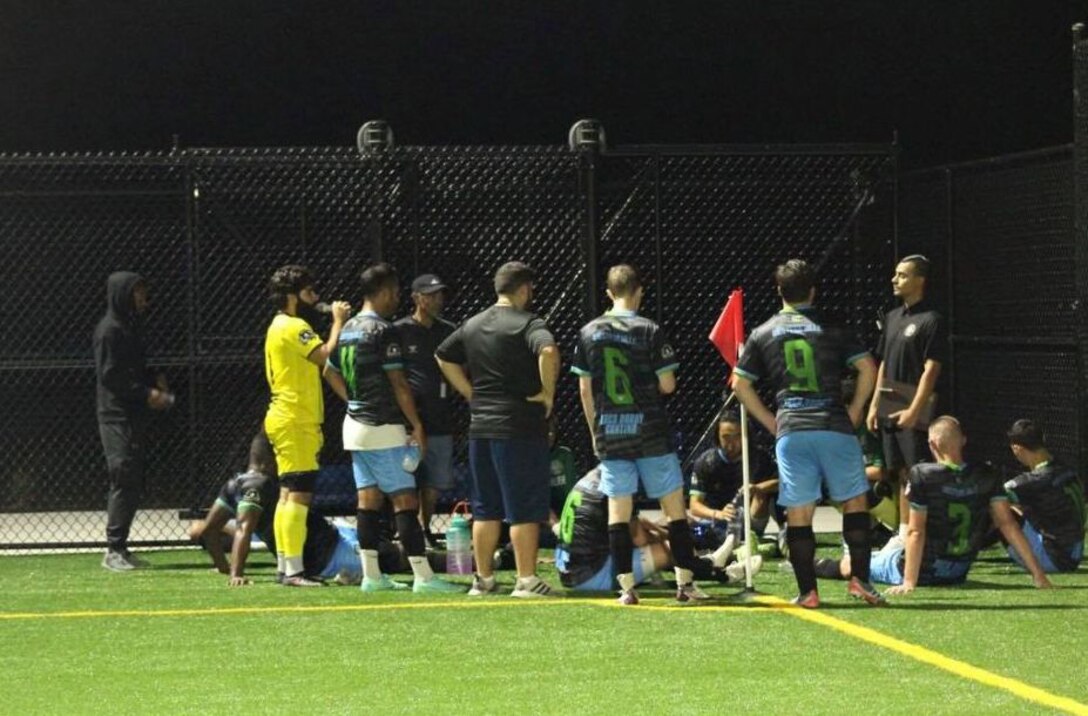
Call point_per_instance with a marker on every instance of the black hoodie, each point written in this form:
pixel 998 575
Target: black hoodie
pixel 119 356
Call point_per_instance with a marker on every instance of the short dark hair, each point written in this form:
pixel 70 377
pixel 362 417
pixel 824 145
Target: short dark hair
pixel 729 416
pixel 261 457
pixel 795 280
pixel 512 275
pixel 623 280
pixel 1027 434
pixel 286 280
pixel 919 262
pixel 376 277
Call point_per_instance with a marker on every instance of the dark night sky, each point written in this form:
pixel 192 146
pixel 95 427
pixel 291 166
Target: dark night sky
pixel 958 79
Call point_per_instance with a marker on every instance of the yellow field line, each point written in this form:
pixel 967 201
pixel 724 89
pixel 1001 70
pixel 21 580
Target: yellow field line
pixel 761 604
pixel 933 658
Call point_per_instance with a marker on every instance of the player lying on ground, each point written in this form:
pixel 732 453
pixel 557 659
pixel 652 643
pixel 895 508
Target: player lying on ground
pixel 583 556
pixel 952 504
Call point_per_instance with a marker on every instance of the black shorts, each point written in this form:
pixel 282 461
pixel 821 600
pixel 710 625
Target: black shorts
pixel 299 481
pixel 904 448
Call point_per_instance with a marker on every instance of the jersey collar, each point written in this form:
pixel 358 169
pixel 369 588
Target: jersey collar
pixel 724 457
pixel 953 466
pixel 919 307
pixel 621 313
pixel 797 307
pixel 371 314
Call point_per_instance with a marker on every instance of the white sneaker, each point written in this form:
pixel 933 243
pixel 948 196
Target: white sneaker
pixel 735 571
pixel 532 588
pixel 480 587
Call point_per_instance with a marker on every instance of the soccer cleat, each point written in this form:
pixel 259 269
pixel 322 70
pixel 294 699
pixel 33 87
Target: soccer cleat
pixel 809 600
pixel 481 587
pixel 735 571
pixel 301 580
pixel 280 576
pixel 628 598
pixel 135 561
pixel 865 592
pixel 348 578
pixel 116 562
pixel 436 585
pixel 532 588
pixel 385 584
pixel 690 592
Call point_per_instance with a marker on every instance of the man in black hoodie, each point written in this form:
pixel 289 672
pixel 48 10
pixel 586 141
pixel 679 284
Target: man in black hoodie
pixel 125 397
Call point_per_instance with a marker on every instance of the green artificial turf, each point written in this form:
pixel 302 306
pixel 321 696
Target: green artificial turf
pixel 497 655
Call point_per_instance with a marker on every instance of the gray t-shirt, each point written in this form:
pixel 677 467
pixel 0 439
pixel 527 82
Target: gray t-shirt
pixel 499 348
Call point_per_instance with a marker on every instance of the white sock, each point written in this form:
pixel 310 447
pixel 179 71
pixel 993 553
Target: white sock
pixel 627 581
pixel 721 555
pixel 487 581
pixel 281 562
pixel 684 576
pixel 292 566
pixel 421 568
pixel 369 558
pixel 903 530
pixel 527 582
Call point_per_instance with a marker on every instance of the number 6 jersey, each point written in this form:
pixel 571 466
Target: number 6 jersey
pixel 624 354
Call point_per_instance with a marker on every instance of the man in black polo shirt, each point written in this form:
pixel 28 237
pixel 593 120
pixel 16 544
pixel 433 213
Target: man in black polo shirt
pixel 421 333
pixel 912 349
pixel 368 363
pixel 1050 497
pixel 513 362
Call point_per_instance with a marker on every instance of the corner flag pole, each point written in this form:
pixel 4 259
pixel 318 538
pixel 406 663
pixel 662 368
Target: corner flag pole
pixel 749 543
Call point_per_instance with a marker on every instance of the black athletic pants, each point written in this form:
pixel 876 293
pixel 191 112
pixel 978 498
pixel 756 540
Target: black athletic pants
pixel 125 448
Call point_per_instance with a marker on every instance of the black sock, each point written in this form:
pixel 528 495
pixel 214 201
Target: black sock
pixel 802 544
pixel 828 569
pixel 411 533
pixel 367 527
pixel 620 546
pixel 855 532
pixel 682 545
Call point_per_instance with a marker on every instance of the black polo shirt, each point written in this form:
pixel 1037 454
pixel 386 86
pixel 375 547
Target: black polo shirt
pixel 429 389
pixel 912 335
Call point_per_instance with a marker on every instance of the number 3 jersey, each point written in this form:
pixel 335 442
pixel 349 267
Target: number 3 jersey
pixel 624 353
pixel 956 500
pixel 803 358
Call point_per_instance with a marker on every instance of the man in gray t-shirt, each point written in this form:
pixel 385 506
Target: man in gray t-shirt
pixel 513 362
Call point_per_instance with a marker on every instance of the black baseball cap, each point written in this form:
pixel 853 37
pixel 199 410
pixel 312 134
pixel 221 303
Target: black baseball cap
pixel 427 283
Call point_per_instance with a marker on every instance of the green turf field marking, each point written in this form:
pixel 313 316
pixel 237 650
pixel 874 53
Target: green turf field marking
pixel 316 609
pixel 933 658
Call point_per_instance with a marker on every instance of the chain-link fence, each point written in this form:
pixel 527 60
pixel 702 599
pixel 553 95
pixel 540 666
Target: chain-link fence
pixel 1000 237
pixel 207 227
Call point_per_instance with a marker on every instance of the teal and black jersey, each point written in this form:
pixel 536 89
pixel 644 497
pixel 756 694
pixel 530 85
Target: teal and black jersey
pixel 624 353
pixel 1052 498
pixel 257 491
pixel 583 531
pixel 956 500
pixel 369 346
pixel 803 357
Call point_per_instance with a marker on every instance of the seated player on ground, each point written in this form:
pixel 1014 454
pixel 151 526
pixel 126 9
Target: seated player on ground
pixel 582 558
pixel 716 502
pixel 952 504
pixel 563 474
pixel 1050 500
pixel 251 499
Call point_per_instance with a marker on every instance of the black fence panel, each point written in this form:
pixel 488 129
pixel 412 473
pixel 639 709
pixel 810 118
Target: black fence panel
pixel 207 228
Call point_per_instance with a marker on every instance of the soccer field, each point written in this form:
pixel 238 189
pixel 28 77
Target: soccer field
pixel 175 640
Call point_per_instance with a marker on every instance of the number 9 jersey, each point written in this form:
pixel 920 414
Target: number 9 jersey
pixel 624 354
pixel 803 358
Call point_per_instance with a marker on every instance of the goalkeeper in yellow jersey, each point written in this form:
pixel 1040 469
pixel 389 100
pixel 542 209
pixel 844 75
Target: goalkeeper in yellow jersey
pixel 294 357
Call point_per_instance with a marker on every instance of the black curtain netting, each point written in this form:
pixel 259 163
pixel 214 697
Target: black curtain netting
pixel 207 227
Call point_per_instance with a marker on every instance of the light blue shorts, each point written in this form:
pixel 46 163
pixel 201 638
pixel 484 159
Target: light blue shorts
pixel 659 475
pixel 1035 540
pixel 884 567
pixel 436 470
pixel 809 458
pixel 346 557
pixel 603 580
pixel 383 469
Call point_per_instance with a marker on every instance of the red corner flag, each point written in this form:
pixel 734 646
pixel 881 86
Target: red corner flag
pixel 728 332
